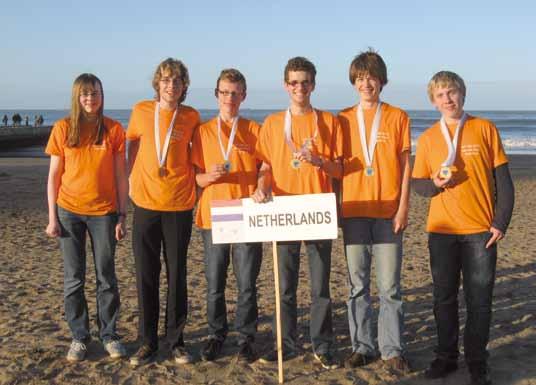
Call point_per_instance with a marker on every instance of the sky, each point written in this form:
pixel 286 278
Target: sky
pixel 44 45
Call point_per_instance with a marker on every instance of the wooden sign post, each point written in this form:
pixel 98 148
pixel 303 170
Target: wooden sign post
pixel 285 218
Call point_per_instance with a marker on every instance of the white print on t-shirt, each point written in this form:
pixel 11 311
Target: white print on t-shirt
pixel 383 136
pixel 241 147
pixel 176 135
pixel 470 149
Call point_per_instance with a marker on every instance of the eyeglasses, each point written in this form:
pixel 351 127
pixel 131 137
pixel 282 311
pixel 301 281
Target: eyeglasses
pixel 303 83
pixel 94 94
pixel 232 94
pixel 175 81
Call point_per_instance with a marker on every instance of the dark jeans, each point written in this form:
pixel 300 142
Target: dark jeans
pixel 320 325
pixel 101 229
pixel 450 255
pixel 152 232
pixel 247 259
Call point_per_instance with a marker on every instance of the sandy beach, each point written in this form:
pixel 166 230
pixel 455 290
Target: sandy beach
pixel 34 337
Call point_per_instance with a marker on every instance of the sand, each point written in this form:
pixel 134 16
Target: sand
pixel 34 337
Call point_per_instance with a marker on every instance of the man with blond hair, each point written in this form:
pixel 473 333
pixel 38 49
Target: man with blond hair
pixel 162 189
pixel 461 165
pixel 223 152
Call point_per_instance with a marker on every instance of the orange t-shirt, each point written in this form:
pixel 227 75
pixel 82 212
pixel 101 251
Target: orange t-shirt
pixel 273 149
pixel 241 181
pixel 468 206
pixel 88 184
pixel 375 196
pixel 174 191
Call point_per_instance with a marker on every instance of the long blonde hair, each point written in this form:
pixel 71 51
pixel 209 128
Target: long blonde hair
pixel 84 83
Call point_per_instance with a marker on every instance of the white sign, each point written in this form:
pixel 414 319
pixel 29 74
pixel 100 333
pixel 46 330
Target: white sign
pixel 286 218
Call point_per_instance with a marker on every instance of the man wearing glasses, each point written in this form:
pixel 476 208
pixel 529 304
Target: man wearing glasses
pixel 162 188
pixel 223 152
pixel 301 149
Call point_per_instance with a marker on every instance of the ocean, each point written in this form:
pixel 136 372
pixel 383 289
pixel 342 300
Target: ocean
pixel 517 128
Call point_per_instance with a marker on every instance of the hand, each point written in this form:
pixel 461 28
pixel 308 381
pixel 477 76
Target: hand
pixel 400 221
pixel 442 182
pixel 496 236
pixel 308 156
pixel 53 229
pixel 261 196
pixel 215 172
pixel 120 229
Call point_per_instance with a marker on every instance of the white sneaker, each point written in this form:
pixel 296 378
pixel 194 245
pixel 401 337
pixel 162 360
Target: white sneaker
pixel 181 355
pixel 115 349
pixel 77 351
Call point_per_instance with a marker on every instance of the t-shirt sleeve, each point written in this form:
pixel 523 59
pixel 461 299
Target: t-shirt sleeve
pixel 197 150
pixel 254 138
pixel 337 151
pixel 421 167
pixel 56 141
pixel 497 150
pixel 133 130
pixel 262 149
pixel 405 133
pixel 118 138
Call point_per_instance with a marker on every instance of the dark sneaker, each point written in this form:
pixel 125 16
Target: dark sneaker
pixel 479 374
pixel 247 353
pixel 326 360
pixel 181 355
pixel 77 351
pixel 143 356
pixel 271 356
pixel 355 360
pixel 397 364
pixel 212 349
pixel 440 368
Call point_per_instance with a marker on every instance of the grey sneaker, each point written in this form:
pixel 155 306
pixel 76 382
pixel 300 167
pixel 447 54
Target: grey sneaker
pixel 77 351
pixel 181 355
pixel 115 349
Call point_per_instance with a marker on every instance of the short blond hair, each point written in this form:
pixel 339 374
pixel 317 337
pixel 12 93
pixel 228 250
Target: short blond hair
pixel 175 68
pixel 231 75
pixel 445 79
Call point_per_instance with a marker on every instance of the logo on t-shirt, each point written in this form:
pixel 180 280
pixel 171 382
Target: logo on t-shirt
pixel 177 135
pixel 470 149
pixel 243 147
pixel 383 137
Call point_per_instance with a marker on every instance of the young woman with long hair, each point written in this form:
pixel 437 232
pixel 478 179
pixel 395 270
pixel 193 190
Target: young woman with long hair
pixel 87 193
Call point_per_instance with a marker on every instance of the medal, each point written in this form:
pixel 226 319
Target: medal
pixel 162 155
pixel 307 143
pixel 224 153
pixel 452 145
pixel 368 151
pixel 295 163
pixel 445 172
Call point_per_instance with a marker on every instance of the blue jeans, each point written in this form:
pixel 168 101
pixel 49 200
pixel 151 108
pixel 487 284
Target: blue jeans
pixel 320 324
pixel 451 255
pixel 247 259
pixel 101 230
pixel 364 239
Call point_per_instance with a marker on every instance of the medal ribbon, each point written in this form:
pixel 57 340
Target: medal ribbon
pixel 234 127
pixel 288 130
pixel 452 145
pixel 368 152
pixel 161 156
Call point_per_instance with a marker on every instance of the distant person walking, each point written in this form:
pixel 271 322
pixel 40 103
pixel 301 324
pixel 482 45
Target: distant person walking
pixel 88 193
pixel 17 119
pixel 5 119
pixel 27 120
